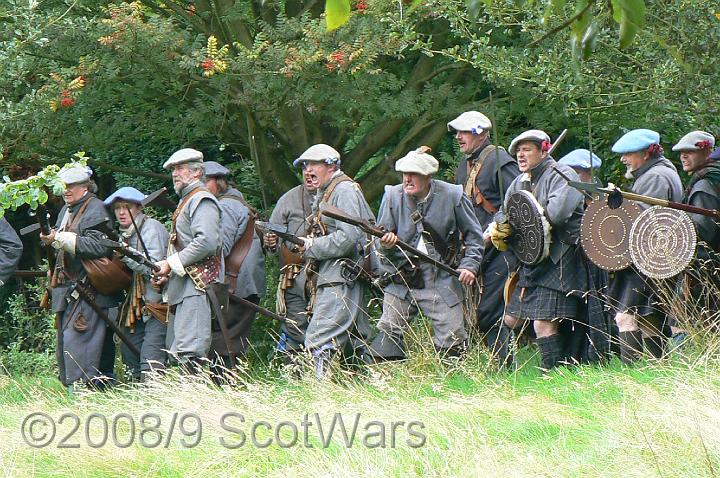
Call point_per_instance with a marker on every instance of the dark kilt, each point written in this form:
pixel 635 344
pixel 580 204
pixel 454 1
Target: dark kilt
pixel 631 292
pixel 496 267
pixel 541 303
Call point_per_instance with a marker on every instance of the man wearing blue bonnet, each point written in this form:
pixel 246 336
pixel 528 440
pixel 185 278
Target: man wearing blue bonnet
pixel 639 319
pixel 143 317
pixel 583 162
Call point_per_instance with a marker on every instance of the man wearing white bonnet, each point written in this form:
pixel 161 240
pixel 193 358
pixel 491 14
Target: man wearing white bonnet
pixel 432 216
pixel 703 190
pixel 547 293
pixel 338 307
pixel 193 261
pixel 86 351
pixel 485 175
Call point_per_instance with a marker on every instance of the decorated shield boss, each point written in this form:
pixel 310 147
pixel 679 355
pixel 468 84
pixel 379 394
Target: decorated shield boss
pixel 530 239
pixel 662 242
pixel 605 234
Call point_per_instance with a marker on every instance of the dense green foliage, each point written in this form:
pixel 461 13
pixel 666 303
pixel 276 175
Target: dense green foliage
pixel 257 82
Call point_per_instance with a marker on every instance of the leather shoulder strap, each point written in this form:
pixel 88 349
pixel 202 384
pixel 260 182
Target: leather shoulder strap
pixel 471 189
pixel 183 203
pixel 333 184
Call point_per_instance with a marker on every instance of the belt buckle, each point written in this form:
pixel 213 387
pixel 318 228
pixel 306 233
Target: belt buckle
pixel 416 217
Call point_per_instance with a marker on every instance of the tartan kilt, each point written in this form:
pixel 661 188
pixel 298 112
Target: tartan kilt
pixel 541 303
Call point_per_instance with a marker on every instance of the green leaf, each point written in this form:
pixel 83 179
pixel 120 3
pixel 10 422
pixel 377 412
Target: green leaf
pixel 589 40
pixel 558 6
pixel 474 7
pixel 628 30
pixel 337 13
pixel 616 10
pixel 634 11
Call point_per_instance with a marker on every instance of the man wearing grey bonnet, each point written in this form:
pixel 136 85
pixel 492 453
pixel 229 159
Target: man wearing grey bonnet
pixel 193 261
pixel 244 266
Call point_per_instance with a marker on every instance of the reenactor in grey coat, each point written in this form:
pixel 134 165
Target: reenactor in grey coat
pixel 640 321
pixel 86 351
pixel 293 211
pixel 143 317
pixel 193 261
pixel 10 251
pixel 485 175
pixel 430 215
pixel 699 284
pixel 244 265
pixel 543 293
pixel 337 301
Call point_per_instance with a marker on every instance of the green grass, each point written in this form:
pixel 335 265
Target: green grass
pixel 658 419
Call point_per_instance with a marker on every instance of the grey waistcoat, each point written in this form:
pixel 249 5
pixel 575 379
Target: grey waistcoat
pixel 198 235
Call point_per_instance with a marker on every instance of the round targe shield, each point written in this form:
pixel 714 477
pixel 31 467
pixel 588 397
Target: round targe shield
pixel 662 242
pixel 530 239
pixel 605 234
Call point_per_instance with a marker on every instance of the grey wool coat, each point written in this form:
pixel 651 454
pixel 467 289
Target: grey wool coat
pixel 448 211
pixel 342 240
pixel 10 250
pixel 235 219
pixel 155 237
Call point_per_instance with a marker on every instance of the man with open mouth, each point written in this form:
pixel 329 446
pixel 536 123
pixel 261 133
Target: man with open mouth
pixel 336 300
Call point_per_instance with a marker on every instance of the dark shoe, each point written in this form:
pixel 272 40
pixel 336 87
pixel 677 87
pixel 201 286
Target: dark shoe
pixel 551 350
pixel 655 346
pixel 499 339
pixel 384 348
pixel 631 345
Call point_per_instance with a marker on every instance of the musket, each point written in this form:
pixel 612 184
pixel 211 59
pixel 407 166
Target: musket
pixel 87 297
pixel 377 231
pixel 128 251
pixel 159 199
pixel 25 274
pixel 280 231
pixel 43 225
pixel 258 308
pixel 615 192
